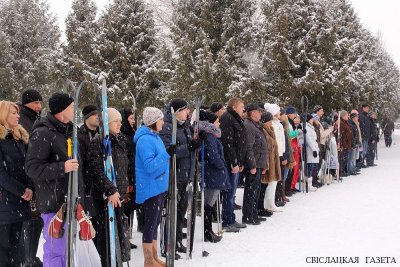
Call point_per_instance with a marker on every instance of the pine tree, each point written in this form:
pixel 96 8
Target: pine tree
pixel 33 36
pixel 127 46
pixel 6 71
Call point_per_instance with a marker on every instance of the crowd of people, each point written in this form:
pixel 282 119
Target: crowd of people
pixel 273 150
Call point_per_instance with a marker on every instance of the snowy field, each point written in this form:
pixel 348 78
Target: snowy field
pixel 356 218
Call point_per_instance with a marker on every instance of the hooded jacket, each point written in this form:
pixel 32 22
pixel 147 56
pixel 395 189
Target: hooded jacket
pixel 215 171
pixel 152 165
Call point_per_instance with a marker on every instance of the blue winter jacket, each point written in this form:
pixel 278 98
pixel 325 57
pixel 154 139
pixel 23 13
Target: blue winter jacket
pixel 151 165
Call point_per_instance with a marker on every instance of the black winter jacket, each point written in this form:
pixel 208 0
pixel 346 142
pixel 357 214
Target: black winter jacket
pixel 233 138
pixel 365 126
pixel 96 164
pixel 13 179
pixel 356 140
pixel 28 118
pixel 45 159
pixel 183 148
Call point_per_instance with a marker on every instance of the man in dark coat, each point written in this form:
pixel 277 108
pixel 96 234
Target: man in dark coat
pixel 30 111
pixel 233 138
pixel 48 166
pixel 184 145
pixel 365 126
pixel 256 161
pixel 356 143
pixel 86 133
pixel 370 157
pixel 388 129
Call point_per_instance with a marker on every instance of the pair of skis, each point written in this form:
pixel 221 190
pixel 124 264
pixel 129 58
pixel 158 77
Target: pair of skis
pixel 113 247
pixel 73 195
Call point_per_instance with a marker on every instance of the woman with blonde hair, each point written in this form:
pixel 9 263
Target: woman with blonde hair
pixel 15 192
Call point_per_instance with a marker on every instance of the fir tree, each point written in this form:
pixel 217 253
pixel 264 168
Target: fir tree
pixel 33 37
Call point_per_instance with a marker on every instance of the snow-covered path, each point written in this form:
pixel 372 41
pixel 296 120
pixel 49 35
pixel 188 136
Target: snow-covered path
pixel 356 218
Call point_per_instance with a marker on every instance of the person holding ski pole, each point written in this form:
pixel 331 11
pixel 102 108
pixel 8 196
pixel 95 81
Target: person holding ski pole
pixel 152 176
pixel 15 186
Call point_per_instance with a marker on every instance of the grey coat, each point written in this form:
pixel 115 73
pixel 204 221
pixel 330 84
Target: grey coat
pixel 256 146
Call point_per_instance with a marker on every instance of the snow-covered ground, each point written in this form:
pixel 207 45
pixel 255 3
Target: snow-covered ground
pixel 356 218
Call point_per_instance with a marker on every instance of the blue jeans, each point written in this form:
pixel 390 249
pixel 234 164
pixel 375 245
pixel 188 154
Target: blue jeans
pixel 365 151
pixel 351 161
pixel 228 198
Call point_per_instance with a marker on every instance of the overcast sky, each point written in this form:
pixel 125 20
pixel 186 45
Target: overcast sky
pixel 379 16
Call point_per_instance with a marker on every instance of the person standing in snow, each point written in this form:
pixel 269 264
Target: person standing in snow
pixel 184 145
pixel 345 142
pixel 216 173
pixel 152 176
pixel 293 132
pixel 15 187
pixel 279 131
pixel 233 139
pixel 365 125
pixel 312 152
pixel 351 163
pixel 103 186
pixel 373 142
pixel 31 109
pixel 48 166
pixel 254 164
pixel 388 129
pixel 272 175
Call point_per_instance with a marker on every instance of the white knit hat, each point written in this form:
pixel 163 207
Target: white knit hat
pixel 113 115
pixel 151 115
pixel 272 108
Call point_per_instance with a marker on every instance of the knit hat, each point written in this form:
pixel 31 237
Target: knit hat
pixel 317 108
pixel 31 95
pixel 151 115
pixel 89 111
pixel 266 117
pixel 179 104
pixel 309 117
pixel 365 105
pixel 272 108
pixel 354 111
pixel 59 101
pixel 207 116
pixel 291 110
pixel 113 115
pixel 215 107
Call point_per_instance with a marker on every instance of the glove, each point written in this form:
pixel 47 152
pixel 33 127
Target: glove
pixel 171 150
pixel 194 144
pixel 315 154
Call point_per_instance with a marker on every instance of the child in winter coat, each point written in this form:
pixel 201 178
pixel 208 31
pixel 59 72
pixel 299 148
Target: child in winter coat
pixel 152 176
pixel 15 191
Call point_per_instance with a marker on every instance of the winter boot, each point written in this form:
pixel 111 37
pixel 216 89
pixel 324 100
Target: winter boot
pixel 86 231
pixel 284 198
pixel 269 201
pixel 55 229
pixel 149 260
pixel 311 188
pixel 209 235
pixel 155 254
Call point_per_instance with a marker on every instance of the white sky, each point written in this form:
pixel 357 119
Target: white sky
pixel 379 16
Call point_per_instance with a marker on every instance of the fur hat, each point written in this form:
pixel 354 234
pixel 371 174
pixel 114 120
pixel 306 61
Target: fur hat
pixel 272 108
pixel 30 95
pixel 59 101
pixel 113 115
pixel 207 116
pixel 151 115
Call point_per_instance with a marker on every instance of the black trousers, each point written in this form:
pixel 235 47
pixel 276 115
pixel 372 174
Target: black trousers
pixel 181 208
pixel 370 158
pixel 252 186
pixel 31 231
pixel 261 197
pixel 9 246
